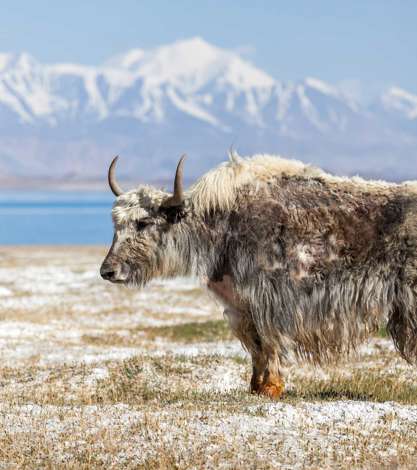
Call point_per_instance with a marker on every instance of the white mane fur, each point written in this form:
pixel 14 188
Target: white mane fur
pixel 216 190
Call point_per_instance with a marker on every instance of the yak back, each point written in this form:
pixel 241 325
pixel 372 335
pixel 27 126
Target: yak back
pixel 306 228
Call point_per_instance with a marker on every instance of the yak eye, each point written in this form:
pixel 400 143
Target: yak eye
pixel 141 224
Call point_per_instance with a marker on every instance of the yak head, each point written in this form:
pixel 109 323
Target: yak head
pixel 149 233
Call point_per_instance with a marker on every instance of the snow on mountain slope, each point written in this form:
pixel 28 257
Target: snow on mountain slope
pixel 190 74
pixel 4 60
pixel 56 117
pixel 129 60
pixel 200 80
pixel 191 64
pixel 79 88
pixel 399 100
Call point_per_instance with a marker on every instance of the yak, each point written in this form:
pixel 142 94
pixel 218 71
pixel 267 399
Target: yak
pixel 306 264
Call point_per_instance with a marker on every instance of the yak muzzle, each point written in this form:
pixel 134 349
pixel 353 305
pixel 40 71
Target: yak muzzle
pixel 112 272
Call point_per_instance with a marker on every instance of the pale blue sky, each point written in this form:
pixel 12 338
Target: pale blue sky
pixel 373 41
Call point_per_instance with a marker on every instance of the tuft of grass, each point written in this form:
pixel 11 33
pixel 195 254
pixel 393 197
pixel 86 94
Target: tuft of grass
pixel 192 332
pixel 362 384
pixel 59 385
pixel 162 381
pixel 211 330
pixel 111 339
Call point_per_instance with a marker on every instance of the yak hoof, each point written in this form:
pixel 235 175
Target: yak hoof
pixel 273 388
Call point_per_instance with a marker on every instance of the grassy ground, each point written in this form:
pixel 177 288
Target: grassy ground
pixel 98 376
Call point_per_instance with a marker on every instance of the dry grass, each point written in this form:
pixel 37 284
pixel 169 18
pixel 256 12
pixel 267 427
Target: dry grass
pixel 95 376
pixel 191 332
pixel 371 385
pixel 211 330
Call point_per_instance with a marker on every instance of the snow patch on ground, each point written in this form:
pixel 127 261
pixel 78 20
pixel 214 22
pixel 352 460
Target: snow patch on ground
pixel 4 291
pixel 224 379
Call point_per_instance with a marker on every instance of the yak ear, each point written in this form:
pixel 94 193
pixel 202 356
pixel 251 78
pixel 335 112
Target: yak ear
pixel 177 199
pixel 173 214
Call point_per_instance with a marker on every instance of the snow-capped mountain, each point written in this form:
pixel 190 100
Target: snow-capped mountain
pixel 67 120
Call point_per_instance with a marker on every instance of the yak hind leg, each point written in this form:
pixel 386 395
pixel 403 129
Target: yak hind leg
pixel 402 326
pixel 266 377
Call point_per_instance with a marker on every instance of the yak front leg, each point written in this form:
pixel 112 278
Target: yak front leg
pixel 266 378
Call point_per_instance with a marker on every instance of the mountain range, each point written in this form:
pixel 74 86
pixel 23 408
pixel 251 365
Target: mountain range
pixel 66 121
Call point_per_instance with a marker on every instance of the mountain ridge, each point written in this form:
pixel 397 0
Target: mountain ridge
pixel 190 96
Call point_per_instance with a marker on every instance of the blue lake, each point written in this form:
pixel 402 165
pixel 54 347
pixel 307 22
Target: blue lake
pixel 55 218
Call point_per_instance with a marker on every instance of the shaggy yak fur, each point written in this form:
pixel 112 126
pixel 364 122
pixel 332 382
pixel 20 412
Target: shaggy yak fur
pixel 306 263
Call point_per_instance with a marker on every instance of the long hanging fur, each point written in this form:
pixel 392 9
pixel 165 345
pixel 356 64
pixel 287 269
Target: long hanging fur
pixel 316 261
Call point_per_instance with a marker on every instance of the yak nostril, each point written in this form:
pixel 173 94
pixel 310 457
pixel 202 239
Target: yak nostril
pixel 107 273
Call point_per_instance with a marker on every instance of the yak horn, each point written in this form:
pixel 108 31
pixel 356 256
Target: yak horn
pixel 178 197
pixel 114 185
